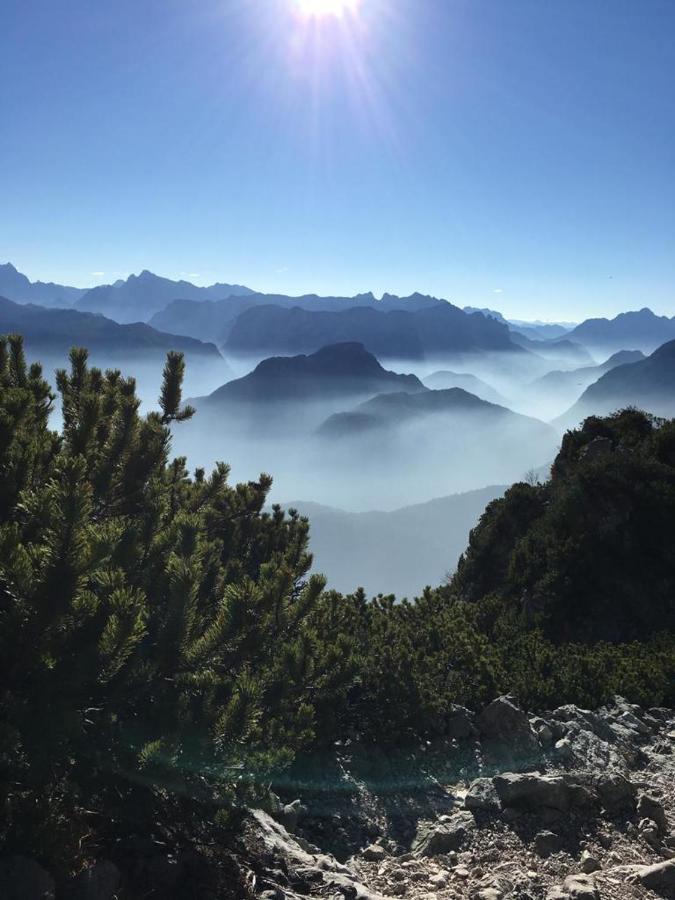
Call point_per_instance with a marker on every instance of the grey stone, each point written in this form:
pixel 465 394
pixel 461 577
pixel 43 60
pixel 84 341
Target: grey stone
pixel 556 893
pixel 649 832
pixel 659 878
pixel 546 843
pixel 459 724
pixel 488 893
pixel 290 814
pixel 580 887
pixel 482 795
pixel 439 838
pixel 374 853
pixel 589 863
pixel 615 791
pixel 506 729
pixel 564 749
pixel 543 731
pixel 630 720
pixel 648 807
pixel 534 792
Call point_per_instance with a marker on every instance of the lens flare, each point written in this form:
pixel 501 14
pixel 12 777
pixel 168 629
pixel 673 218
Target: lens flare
pixel 321 8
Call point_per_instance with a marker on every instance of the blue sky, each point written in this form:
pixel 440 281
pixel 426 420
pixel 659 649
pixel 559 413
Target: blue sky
pixel 518 154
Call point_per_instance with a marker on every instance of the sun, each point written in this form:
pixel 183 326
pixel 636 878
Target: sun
pixel 322 8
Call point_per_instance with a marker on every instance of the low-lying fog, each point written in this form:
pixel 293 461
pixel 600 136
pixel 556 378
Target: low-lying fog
pixel 398 461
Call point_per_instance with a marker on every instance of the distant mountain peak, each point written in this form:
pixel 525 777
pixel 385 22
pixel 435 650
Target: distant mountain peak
pixel 345 369
pixel 19 288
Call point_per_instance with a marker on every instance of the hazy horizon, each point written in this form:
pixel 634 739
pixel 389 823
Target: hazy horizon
pixel 496 305
pixel 516 156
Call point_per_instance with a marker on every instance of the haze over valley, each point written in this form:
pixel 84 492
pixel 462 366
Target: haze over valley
pixel 359 406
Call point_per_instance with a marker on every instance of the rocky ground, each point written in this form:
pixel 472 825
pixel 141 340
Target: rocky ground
pixel 572 804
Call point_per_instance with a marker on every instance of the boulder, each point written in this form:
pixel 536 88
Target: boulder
pixel 460 723
pixel 290 814
pixel 543 731
pixel 630 720
pixel 580 887
pixel 482 795
pixel 648 807
pixel 615 791
pixel 649 833
pixel 536 792
pixel 659 878
pixel 546 843
pixel 577 719
pixel 374 853
pixel 438 838
pixel 589 863
pixel 506 730
pixel 488 893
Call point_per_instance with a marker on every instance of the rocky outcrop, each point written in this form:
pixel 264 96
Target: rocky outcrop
pixel 442 837
pixel 659 878
pixel 536 792
pixel 506 732
pixel 593 823
pixel 567 804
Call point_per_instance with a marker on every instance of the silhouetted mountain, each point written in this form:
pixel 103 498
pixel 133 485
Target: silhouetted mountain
pixel 397 552
pixel 17 287
pixel 444 379
pixel 139 297
pixel 446 440
pixel 564 351
pixel 339 370
pixel 52 332
pixel 558 389
pixel 485 311
pixel 214 319
pixel 541 331
pixel 437 331
pixel 392 410
pixel 537 331
pixel 648 384
pixel 642 329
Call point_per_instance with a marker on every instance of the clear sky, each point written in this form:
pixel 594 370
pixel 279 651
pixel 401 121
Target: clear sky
pixel 518 154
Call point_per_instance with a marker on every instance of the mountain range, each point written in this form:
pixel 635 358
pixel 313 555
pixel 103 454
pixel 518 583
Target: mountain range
pixel 535 330
pixel 560 388
pixel 394 411
pixel 204 319
pixel 344 370
pixel 431 332
pixel 17 287
pixel 51 332
pixel 641 329
pixel 648 384
pixel 561 351
pixel 444 379
pixel 139 297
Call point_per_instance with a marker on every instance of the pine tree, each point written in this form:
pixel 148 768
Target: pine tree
pixel 156 634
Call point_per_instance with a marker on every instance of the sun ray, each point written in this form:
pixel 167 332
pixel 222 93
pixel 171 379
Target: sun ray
pixel 321 8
